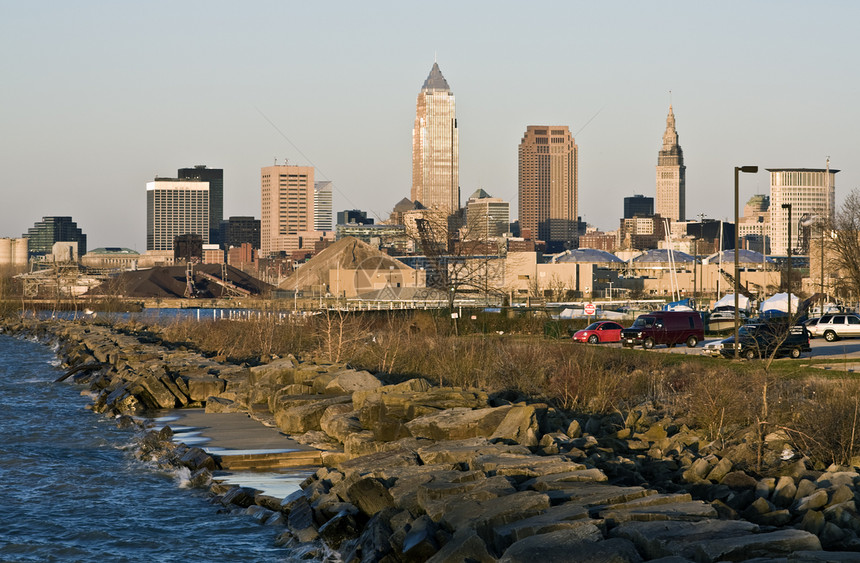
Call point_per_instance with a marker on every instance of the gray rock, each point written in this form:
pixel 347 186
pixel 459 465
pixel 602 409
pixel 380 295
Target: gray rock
pixel 720 470
pixel 831 534
pixel 805 487
pixel 842 493
pixel 574 430
pixel 765 487
pixel 738 480
pixel 517 465
pixel 484 515
pixel 783 494
pixel 822 557
pixel 816 500
pixel 813 522
pixel 560 545
pixel 369 495
pixel 301 418
pixel 745 547
pixel 457 423
pixel 466 545
pixel 465 451
pixel 343 526
pixel 556 518
pixel 664 539
pixel 697 471
pixel 520 426
pixel 837 478
pixel 420 544
pixel 350 381
pixel 201 388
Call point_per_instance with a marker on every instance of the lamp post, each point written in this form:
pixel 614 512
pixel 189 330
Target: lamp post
pixel 788 276
pixel 750 170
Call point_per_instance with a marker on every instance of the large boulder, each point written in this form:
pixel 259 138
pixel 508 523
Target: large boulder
pixel 520 426
pixel 350 381
pixel 306 415
pixel 559 545
pixel 458 423
pixel 339 421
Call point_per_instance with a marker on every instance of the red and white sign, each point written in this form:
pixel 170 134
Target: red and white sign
pixel 590 309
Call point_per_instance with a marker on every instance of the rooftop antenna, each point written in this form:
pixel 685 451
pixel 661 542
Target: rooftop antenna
pixel 434 57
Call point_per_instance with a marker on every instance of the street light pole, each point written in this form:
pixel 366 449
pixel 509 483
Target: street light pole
pixel 788 281
pixel 751 170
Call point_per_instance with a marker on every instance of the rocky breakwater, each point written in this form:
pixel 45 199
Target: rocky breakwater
pixel 415 472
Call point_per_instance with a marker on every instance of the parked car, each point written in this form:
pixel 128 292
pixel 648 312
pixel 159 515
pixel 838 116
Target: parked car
pixel 665 327
pixel 810 325
pixel 601 331
pixel 760 340
pixel 836 326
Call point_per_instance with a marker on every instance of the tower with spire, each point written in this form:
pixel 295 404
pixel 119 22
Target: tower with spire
pixel 435 147
pixel 671 175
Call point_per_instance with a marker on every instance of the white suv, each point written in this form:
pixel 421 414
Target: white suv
pixel 835 326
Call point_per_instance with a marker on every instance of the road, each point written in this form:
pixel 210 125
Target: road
pixel 821 349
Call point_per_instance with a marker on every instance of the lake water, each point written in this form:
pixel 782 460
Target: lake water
pixel 73 491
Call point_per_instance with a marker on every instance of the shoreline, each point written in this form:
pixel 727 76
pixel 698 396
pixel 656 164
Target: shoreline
pixel 418 472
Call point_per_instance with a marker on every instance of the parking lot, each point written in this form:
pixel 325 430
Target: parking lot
pixel 848 348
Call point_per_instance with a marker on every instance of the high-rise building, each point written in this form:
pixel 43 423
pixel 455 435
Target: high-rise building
pixel 548 185
pixel 175 207
pixel 671 175
pixel 754 225
pixel 486 216
pixel 43 234
pixel 322 206
pixel 353 216
pixel 287 207
pixel 215 177
pixel 638 205
pixel 811 193
pixel 435 147
pixel 236 231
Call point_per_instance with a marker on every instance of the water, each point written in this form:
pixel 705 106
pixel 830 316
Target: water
pixel 73 491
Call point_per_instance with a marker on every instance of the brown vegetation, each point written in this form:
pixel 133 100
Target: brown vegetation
pixel 735 404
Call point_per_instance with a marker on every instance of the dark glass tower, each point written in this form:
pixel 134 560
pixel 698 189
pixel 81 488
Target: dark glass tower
pixel 42 235
pixel 215 177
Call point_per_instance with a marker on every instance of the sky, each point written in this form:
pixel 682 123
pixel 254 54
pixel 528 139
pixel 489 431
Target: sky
pixel 99 97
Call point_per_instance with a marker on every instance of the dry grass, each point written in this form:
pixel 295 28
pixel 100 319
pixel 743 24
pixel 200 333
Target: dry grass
pixel 724 400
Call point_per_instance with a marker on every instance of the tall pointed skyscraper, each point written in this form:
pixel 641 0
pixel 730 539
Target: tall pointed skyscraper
pixel 435 147
pixel 671 175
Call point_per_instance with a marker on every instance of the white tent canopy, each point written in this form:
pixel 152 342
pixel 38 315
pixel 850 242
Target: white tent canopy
pixel 729 301
pixel 779 302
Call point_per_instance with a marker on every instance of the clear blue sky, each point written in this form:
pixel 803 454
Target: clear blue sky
pixel 99 97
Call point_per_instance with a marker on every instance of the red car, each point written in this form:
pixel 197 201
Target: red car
pixel 601 331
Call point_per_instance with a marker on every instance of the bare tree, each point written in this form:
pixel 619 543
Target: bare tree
pixel 844 244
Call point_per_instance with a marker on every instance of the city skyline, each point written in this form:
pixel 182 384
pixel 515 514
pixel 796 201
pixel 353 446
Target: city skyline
pixel 103 97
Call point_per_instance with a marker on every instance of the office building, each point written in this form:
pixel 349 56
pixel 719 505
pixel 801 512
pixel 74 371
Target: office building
pixel 810 192
pixel 236 231
pixel 548 185
pixel 638 205
pixel 215 177
pixel 754 225
pixel 486 216
pixel 355 216
pixel 43 234
pixel 671 175
pixel 175 207
pixel 435 147
pixel 323 206
pixel 287 194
